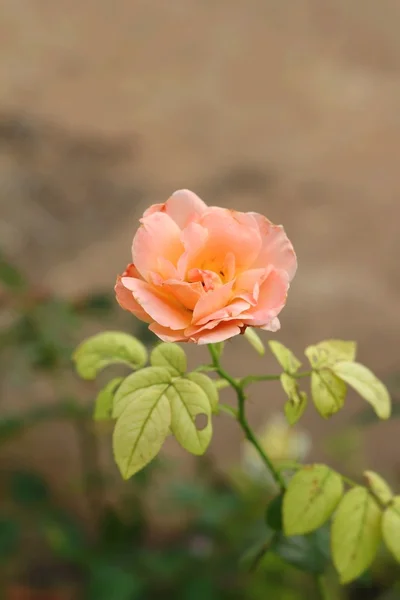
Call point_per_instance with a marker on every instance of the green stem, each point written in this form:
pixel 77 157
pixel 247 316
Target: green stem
pixel 242 419
pixel 254 378
pixel 323 588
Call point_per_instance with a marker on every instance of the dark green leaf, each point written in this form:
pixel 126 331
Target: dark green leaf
pixel 28 489
pixel 306 552
pixel 9 536
pixel 273 514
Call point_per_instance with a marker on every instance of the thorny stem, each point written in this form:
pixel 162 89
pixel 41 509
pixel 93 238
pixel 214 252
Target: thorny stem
pixel 238 386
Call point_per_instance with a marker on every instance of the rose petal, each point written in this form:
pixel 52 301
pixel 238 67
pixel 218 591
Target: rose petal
pixel 125 297
pixel 271 300
pixel 194 238
pixel 184 206
pixel 157 236
pixel 166 334
pixel 229 231
pixel 212 301
pixel 186 293
pixel 227 313
pixel 162 307
pixel 247 284
pixel 276 249
pixel 222 332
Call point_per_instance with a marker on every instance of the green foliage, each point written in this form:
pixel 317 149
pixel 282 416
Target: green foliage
pixel 254 340
pixel 274 513
pixel 378 486
pixel 356 533
pixel 28 489
pixel 296 405
pixel 103 406
pixel 328 392
pixel 111 347
pixel 285 357
pixel 154 401
pixel 367 385
pixel 308 553
pixel 329 352
pixel 391 527
pixel 312 496
pixel 171 356
pixel 140 430
pixel 10 534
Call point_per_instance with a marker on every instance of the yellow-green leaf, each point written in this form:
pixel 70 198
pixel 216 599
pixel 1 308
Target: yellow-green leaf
pixel 156 378
pixel 171 356
pixel 329 352
pixel 356 533
pixel 104 401
pixel 367 385
pixel 391 527
pixel 312 496
pixel 328 392
pixel 294 412
pixel 291 388
pixel 141 430
pixel 110 347
pixel 285 357
pixel 208 386
pixel 255 341
pixel 378 486
pixel 188 401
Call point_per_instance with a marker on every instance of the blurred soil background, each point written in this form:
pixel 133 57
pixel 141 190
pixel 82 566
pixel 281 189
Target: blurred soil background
pixel 287 108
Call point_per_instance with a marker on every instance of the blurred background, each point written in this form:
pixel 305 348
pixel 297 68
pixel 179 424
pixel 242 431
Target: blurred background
pixel 285 108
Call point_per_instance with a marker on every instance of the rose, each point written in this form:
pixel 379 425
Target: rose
pixel 204 274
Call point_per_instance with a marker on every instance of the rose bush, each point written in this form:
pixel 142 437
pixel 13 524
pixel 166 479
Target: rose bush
pixel 204 274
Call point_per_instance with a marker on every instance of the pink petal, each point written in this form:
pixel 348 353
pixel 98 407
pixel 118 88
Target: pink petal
pixel 227 313
pixel 186 293
pixel 158 236
pixel 273 325
pixel 222 332
pixel 276 249
pixel 194 238
pixel 210 302
pixel 166 334
pixel 271 300
pixel 125 297
pixel 247 284
pixel 184 206
pixel 163 308
pixel 229 231
pixel 209 279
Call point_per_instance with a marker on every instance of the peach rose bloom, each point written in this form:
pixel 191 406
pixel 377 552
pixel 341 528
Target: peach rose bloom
pixel 203 274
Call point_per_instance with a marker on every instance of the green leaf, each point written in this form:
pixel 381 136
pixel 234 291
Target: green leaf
pixel 156 378
pixel 356 533
pixel 108 581
pixel 171 356
pixel 254 340
pixel 188 400
pixel 285 357
pixel 10 534
pixel 141 429
pixel 311 497
pixel 309 553
pixel 294 412
pixel 379 487
pixel 103 349
pixel 28 489
pixel 274 513
pixel 208 386
pixel 329 352
pixel 367 385
pixel 328 392
pixel 391 527
pixel 103 407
